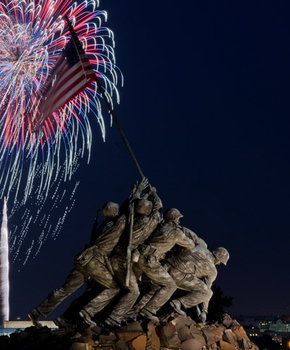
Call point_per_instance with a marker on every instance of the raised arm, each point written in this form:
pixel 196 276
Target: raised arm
pixel 155 199
pixel 136 193
pixel 199 242
pixel 184 241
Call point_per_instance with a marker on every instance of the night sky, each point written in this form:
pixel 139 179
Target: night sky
pixel 206 105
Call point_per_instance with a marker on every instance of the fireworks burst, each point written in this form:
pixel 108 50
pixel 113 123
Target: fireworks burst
pixel 33 34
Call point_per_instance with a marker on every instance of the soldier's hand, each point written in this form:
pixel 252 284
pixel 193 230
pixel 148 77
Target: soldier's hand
pixel 153 189
pixel 142 186
pixel 136 191
pixel 144 183
pixel 139 188
pixel 135 256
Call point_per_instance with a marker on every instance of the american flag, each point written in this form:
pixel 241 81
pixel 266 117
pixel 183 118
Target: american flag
pixel 72 73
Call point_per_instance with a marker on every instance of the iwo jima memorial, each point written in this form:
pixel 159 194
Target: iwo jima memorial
pixel 148 282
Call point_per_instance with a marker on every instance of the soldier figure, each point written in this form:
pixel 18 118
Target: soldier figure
pixel 147 217
pixel 195 271
pixel 162 241
pixel 92 263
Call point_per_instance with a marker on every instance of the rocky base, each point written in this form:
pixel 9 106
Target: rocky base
pixel 176 332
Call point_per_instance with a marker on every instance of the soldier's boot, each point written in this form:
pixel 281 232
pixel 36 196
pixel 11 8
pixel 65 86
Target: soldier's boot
pixel 64 325
pixel 34 317
pixel 131 316
pixel 110 321
pixel 86 317
pixel 201 314
pixel 149 316
pixel 176 305
pixel 203 317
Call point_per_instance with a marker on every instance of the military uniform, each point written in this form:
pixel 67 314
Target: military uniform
pixel 161 242
pixel 91 263
pixel 194 271
pixel 142 229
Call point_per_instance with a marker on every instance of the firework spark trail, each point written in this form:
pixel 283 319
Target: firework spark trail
pixel 22 237
pixel 12 233
pixel 28 253
pixel 45 224
pixel 62 196
pixel 13 244
pixel 74 190
pixel 33 34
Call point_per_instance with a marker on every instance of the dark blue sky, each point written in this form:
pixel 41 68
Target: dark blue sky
pixel 206 106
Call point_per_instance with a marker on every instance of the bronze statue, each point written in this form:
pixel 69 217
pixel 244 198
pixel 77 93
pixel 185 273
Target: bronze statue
pixel 195 271
pixel 146 219
pixel 162 241
pixel 134 242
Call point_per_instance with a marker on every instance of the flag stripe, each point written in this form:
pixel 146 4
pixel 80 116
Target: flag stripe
pixel 72 74
pixel 68 78
pixel 68 72
pixel 77 84
pixel 78 87
pixel 68 84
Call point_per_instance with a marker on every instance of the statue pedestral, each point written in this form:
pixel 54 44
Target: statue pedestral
pixel 177 332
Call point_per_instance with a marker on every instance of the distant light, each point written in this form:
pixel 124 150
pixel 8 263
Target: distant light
pixel 288 344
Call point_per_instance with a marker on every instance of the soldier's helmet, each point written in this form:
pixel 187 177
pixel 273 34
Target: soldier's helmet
pixel 143 207
pixel 172 214
pixel 110 209
pixel 222 255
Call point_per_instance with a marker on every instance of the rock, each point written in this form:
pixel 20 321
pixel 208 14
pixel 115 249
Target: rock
pixel 193 344
pixel 169 330
pixel 230 337
pixel 121 345
pixel 184 334
pixel 226 346
pixel 227 320
pixel 240 333
pixel 128 336
pixel 196 330
pixel 107 340
pixel 213 346
pixel 182 321
pixel 254 347
pixel 197 335
pixel 130 332
pixel 176 331
pixel 169 337
pixel 153 341
pixel 139 343
pixel 213 334
pixel 245 344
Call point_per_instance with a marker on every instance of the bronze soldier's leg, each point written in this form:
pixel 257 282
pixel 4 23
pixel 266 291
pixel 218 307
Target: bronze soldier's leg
pixel 121 310
pixel 146 298
pixel 127 301
pixel 102 275
pixel 73 282
pixel 159 276
pixel 199 293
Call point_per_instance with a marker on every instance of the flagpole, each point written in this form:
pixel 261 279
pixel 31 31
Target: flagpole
pixel 120 129
pixel 108 105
